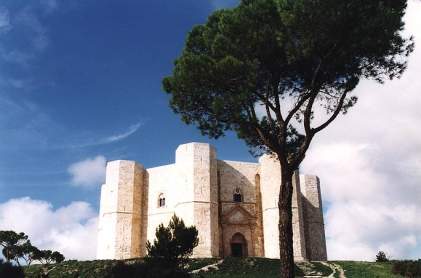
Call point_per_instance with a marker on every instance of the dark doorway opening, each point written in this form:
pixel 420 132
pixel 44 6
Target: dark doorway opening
pixel 237 249
pixel 238 246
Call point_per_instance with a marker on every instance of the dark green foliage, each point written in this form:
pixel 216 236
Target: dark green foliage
pixel 265 51
pixel 17 246
pixel 14 245
pixel 145 270
pixel 73 269
pixel 103 269
pixel 48 256
pixel 381 257
pixel 28 252
pixel 10 271
pixel 173 244
pixel 407 268
pixel 123 270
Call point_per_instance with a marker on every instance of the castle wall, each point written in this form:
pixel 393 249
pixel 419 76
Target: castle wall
pixel 313 214
pixel 199 189
pixel 191 192
pixel 162 180
pixel 298 220
pixel 242 175
pixel 270 180
pixel 120 211
pixel 196 163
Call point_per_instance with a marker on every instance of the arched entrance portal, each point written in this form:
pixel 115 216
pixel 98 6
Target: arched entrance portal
pixel 238 245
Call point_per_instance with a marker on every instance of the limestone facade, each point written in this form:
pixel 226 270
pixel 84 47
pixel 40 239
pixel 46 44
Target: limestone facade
pixel 232 204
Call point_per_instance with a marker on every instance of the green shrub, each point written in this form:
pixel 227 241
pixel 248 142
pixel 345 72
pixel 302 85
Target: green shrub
pixel 407 268
pixel 145 270
pixel 172 246
pixel 122 270
pixel 381 257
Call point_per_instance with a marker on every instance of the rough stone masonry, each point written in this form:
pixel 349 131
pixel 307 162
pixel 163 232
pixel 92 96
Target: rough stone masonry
pixel 232 204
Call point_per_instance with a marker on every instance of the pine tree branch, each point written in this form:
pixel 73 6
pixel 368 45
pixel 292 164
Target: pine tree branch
pixel 335 113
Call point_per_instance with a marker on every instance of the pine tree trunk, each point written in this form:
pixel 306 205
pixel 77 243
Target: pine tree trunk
pixel 286 252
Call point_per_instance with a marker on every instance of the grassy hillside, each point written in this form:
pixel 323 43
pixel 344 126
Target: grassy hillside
pixel 231 267
pixel 70 269
pixel 259 268
pixel 367 269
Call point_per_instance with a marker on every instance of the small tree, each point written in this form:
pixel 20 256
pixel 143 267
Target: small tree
pixel 381 257
pixel 47 257
pixel 17 246
pixel 261 70
pixel 27 252
pixel 13 245
pixel 173 244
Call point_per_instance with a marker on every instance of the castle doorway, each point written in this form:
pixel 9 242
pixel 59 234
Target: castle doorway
pixel 238 245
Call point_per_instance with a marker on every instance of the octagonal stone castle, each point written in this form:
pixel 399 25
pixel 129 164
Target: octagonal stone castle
pixel 232 204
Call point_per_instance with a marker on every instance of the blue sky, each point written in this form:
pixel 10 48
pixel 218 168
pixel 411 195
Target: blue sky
pixel 80 79
pixel 80 84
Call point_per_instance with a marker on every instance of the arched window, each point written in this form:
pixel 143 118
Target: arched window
pixel 161 200
pixel 237 196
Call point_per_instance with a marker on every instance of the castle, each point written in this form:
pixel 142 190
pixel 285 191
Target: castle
pixel 232 204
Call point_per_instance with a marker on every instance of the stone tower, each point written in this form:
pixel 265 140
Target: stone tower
pixel 270 180
pixel 313 213
pixel 120 211
pixel 196 164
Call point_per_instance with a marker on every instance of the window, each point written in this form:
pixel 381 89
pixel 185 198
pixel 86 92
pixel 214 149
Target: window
pixel 161 201
pixel 237 197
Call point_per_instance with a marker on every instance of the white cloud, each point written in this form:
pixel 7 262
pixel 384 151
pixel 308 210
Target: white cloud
pixel 118 137
pixel 89 172
pixel 71 229
pixel 110 139
pixel 369 162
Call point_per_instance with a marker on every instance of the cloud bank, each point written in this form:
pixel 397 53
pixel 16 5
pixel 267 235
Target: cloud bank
pixel 70 230
pixel 369 162
pixel 89 172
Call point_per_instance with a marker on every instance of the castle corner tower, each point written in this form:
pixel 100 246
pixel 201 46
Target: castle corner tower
pixel 119 232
